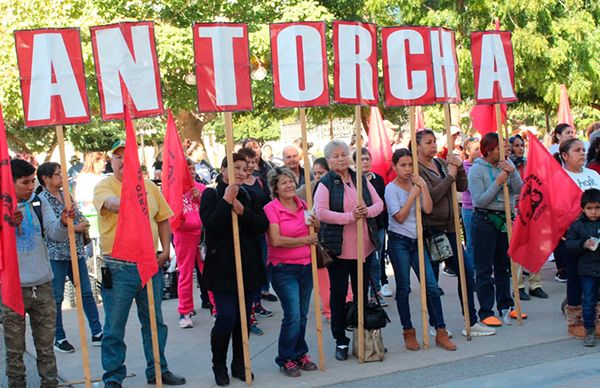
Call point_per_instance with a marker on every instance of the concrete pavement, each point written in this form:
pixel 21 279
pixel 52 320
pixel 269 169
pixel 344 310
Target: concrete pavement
pixel 188 351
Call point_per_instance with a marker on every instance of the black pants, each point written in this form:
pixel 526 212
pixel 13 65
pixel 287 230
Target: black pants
pixel 203 292
pixel 228 311
pixel 574 288
pixel 339 272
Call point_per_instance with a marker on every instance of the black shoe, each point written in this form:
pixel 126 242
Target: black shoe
pixel 441 291
pixel 341 352
pixel 269 297
pixel 523 295
pixel 538 293
pixel 112 384
pixel 63 346
pixel 449 272
pixel 97 340
pixel 169 378
pixel 561 277
pixel 239 372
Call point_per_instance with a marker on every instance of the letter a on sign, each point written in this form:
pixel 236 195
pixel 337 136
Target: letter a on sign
pixel 407 66
pixel 127 69
pixel 52 77
pixel 299 64
pixel 493 67
pixel 222 67
pixel 355 63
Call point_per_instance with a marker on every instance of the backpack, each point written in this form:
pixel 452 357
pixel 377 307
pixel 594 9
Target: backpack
pixel 36 203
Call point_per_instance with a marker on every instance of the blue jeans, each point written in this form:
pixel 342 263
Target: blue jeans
pixel 467 215
pixel 589 284
pixel 376 266
pixel 404 254
pixel 126 286
pixel 491 258
pixel 61 269
pixel 293 283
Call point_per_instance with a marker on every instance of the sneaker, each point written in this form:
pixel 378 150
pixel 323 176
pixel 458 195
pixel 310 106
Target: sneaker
pixel 269 297
pixel 386 291
pixel 263 312
pixel 63 346
pixel 523 295
pixel 290 369
pixel 561 277
pixel 432 332
pixel 305 363
pixel 449 272
pixel 185 321
pixel 479 330
pixel 97 339
pixel 491 321
pixel 256 330
pixel 538 293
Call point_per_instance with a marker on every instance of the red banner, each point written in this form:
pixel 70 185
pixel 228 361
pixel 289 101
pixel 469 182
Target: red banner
pixel 221 56
pixel 52 77
pixel 380 147
pixel 10 281
pixel 127 69
pixel 548 204
pixel 299 63
pixel 355 63
pixel 564 108
pixel 407 66
pixel 445 65
pixel 493 67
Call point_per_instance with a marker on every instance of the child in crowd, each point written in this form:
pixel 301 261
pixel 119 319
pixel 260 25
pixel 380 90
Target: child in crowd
pixel 582 244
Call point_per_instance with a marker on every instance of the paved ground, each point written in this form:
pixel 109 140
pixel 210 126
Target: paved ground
pixel 538 352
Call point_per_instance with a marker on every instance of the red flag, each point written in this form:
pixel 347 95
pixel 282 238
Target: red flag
pixel 548 205
pixel 564 109
pixel 10 281
pixel 176 179
pixel 419 118
pixel 379 147
pixel 133 239
pixel 483 118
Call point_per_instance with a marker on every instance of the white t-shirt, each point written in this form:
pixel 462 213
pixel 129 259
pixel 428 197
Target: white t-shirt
pixel 553 149
pixel 395 198
pixel 586 179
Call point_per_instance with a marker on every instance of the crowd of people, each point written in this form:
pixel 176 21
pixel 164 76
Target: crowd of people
pixel 274 232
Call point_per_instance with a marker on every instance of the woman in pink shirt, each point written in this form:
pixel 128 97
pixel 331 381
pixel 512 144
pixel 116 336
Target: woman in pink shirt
pixel 288 255
pixel 186 240
pixel 338 212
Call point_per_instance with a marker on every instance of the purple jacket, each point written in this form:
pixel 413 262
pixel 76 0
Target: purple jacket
pixel 467 202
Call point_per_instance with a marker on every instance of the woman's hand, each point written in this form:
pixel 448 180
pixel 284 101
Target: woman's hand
pixel 231 193
pixel 67 213
pixel 506 166
pixel 453 160
pixel 238 208
pixel 313 221
pixel 196 192
pixel 501 178
pixel 359 211
pixel 311 239
pixel 83 226
pixel 418 181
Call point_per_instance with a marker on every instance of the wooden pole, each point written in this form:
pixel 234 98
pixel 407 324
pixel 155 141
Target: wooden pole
pixel 313 249
pixel 359 243
pixel 460 258
pixel 508 213
pixel 74 258
pixel 420 247
pixel 237 251
pixel 154 331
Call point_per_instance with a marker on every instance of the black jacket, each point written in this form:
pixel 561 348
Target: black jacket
pixel 219 265
pixel 378 184
pixel 578 233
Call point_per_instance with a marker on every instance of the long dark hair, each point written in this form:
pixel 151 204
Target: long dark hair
pixel 560 128
pixel 564 148
pixel 593 155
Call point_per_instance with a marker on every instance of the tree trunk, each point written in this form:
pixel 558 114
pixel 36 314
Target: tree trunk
pixel 52 147
pixel 18 143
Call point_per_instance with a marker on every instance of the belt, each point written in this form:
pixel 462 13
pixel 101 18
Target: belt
pixel 109 258
pixel 489 211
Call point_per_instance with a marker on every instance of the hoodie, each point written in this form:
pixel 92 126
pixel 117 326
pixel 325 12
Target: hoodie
pixel 34 265
pixel 485 192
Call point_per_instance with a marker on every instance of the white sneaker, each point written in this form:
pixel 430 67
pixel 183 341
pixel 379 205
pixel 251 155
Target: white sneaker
pixel 432 332
pixel 385 291
pixel 185 321
pixel 479 330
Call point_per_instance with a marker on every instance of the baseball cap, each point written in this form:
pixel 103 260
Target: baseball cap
pixel 118 144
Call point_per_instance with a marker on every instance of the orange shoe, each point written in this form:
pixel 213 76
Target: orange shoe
pixel 513 314
pixel 492 321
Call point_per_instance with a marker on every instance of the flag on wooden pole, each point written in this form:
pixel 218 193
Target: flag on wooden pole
pixel 133 239
pixel 10 281
pixel 379 147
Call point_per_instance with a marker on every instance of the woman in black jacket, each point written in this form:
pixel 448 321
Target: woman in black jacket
pixel 219 274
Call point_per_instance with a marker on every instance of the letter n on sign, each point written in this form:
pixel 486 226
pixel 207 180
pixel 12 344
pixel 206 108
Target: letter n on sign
pixel 493 67
pixel 52 77
pixel 299 64
pixel 221 56
pixel 127 69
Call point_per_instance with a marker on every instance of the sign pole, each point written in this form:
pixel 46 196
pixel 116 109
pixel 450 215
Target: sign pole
pixel 359 232
pixel 313 249
pixel 420 247
pixel 74 258
pixel 237 252
pixel 154 330
pixel 455 210
pixel 508 213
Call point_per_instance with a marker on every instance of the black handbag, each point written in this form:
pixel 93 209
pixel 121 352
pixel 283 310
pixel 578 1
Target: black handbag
pixel 375 315
pixel 323 257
